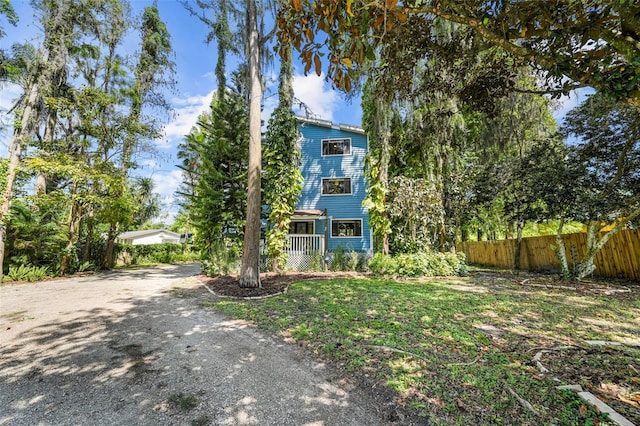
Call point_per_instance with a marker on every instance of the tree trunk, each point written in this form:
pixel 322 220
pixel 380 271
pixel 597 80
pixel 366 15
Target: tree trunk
pixel 107 262
pixel 561 252
pixel 439 179
pixel 385 135
pixel 250 271
pixel 585 266
pixel 21 137
pixel 87 243
pixel 518 254
pixel 72 231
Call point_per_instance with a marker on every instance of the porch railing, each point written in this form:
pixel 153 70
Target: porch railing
pixel 305 251
pixel 307 244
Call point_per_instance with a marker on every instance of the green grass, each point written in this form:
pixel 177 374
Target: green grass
pixel 454 350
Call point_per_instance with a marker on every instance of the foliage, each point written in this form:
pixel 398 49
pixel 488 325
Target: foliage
pixel 26 272
pixel 349 260
pixel 597 182
pixel 215 154
pixel 33 235
pixel 423 264
pixel 87 266
pixel 3 174
pixel 153 253
pixel 375 201
pixel 576 43
pixel 282 176
pixel 224 259
pixel 9 13
pixel 415 208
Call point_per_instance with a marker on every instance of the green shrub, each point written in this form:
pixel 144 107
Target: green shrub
pixel 26 273
pixel 223 261
pixel 154 253
pixel 315 264
pixel 419 264
pixel 343 260
pixel 338 261
pixel 381 264
pixel 86 266
pixel 352 260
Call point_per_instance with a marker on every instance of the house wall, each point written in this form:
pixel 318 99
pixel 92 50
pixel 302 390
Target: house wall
pixel 315 166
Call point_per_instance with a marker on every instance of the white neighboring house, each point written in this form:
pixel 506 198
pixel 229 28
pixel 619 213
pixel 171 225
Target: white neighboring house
pixel 150 236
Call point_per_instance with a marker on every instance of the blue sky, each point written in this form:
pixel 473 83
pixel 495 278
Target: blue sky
pixel 195 62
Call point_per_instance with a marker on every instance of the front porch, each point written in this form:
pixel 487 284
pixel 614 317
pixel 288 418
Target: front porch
pixel 305 252
pixel 307 247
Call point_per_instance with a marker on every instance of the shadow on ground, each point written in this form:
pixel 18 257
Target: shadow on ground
pixel 165 360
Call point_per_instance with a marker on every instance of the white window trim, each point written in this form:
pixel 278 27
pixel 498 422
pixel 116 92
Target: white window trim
pixel 336 155
pixel 336 195
pixel 345 219
pixel 313 225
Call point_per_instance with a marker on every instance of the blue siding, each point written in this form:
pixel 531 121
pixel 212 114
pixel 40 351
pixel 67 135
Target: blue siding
pixel 315 167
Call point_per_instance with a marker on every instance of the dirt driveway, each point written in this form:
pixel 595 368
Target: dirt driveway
pixel 126 348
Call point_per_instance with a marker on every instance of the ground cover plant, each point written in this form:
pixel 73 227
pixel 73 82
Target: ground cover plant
pixel 461 350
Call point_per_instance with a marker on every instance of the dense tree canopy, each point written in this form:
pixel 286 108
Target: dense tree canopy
pixel 574 43
pixel 78 127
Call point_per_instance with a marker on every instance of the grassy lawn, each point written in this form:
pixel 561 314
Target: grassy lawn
pixel 460 351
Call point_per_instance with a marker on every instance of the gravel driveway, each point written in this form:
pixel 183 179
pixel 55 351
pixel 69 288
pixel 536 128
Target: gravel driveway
pixel 136 348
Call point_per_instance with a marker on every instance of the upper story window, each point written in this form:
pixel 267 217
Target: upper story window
pixel 336 186
pixel 336 147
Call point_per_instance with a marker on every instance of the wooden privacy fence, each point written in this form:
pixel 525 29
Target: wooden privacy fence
pixel 619 258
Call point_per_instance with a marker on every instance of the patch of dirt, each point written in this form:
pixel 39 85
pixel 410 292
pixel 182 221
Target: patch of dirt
pixel 272 284
pixel 594 285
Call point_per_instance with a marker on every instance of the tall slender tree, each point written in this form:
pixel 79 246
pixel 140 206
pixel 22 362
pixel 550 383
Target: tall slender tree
pixel 605 166
pixel 250 268
pixel 50 61
pixel 254 43
pixel 378 112
pixel 153 71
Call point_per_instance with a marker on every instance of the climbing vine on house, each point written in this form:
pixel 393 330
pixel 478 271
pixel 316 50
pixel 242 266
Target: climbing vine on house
pixel 282 176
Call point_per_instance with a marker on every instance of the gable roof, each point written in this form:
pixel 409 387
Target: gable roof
pixel 330 125
pixel 132 235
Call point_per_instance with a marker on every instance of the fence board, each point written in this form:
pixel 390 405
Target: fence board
pixel 619 258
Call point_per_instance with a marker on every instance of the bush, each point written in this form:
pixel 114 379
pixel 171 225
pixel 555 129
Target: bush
pixel 26 273
pixel 343 260
pixel 87 266
pixel 338 260
pixel 419 264
pixel 223 261
pixel 315 264
pixel 154 253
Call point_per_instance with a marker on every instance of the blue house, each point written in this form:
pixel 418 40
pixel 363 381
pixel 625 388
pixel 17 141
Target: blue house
pixel 329 214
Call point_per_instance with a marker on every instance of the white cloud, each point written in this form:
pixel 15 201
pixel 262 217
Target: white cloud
pixel 316 94
pixel 187 110
pixel 166 184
